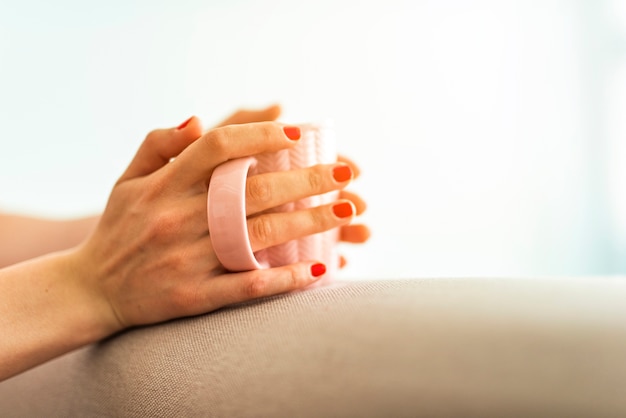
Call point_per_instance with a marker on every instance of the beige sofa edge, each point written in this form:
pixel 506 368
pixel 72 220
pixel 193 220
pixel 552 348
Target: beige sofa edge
pixel 422 347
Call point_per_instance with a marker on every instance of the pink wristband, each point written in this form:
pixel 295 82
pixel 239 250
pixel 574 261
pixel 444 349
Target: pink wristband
pixel 227 216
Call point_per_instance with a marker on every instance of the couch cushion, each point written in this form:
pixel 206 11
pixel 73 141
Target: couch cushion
pixel 424 347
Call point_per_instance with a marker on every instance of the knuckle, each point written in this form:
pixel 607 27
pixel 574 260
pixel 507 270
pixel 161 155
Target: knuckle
pixel 156 187
pixel 315 179
pixel 267 130
pixel 164 225
pixel 217 140
pixel 256 285
pixel 147 201
pixel 320 220
pixel 262 230
pixel 181 298
pixel 268 133
pixel 152 136
pixel 177 262
pixel 258 190
pixel 294 280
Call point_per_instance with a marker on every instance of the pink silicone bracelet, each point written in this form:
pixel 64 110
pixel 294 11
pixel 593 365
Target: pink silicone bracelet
pixel 226 210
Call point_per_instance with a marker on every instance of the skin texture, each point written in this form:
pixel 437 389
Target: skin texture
pixel 149 258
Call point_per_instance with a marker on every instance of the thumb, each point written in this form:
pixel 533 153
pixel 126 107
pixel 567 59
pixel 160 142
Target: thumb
pixel 160 146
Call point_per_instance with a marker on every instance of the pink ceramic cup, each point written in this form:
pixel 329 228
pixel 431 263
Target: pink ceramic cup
pixel 226 207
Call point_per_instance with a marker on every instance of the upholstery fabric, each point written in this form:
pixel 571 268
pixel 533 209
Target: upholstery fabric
pixel 423 347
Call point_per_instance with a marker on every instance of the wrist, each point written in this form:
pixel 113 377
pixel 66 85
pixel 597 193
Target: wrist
pixel 99 319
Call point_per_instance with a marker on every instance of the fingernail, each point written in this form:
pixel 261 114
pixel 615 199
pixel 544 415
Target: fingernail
pixel 185 123
pixel 342 173
pixel 318 269
pixel 292 132
pixel 342 210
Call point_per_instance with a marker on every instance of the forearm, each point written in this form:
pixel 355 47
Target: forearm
pixel 23 238
pixel 45 312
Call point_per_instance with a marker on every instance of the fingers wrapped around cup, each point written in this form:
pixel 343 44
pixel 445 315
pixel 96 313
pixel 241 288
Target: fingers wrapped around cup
pixel 281 207
pixel 278 218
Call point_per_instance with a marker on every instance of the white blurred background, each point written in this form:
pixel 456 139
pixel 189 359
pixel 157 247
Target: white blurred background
pixel 490 132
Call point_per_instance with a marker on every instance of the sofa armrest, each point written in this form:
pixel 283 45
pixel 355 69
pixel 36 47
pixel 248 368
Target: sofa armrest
pixel 424 347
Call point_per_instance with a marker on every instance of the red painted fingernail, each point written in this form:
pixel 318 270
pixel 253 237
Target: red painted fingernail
pixel 185 123
pixel 342 210
pixel 292 132
pixel 342 173
pixel 318 269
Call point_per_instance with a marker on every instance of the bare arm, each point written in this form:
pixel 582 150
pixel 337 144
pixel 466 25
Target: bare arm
pixel 45 312
pixel 23 238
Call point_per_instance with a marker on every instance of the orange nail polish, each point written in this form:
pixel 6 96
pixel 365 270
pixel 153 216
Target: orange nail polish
pixel 292 132
pixel 318 269
pixel 185 123
pixel 342 173
pixel 342 210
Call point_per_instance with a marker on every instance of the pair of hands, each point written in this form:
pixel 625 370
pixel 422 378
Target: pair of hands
pixel 150 258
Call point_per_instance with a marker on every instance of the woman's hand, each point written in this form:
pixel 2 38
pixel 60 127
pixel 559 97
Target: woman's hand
pixel 24 237
pixel 151 259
